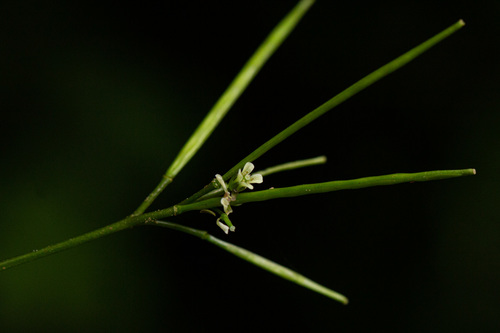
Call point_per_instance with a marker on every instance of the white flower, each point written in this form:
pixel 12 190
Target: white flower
pixel 226 203
pixel 242 181
pixel 227 198
pixel 245 180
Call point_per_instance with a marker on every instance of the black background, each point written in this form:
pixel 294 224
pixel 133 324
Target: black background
pixel 98 97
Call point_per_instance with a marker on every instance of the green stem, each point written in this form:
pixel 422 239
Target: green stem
pixel 352 184
pixel 259 261
pixel 337 185
pixel 229 97
pixel 333 102
pixel 165 181
pixel 293 165
pixel 242 198
pixel 346 94
pixel 101 232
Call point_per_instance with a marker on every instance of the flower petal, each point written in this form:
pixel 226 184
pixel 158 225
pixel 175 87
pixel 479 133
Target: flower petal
pixel 257 178
pixel 248 168
pixel 224 227
pixel 239 177
pixel 221 182
pixel 226 204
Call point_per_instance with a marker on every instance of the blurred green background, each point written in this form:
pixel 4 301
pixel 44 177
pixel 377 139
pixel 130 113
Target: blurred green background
pixel 98 97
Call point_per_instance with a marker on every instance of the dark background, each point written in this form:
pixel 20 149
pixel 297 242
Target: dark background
pixel 98 97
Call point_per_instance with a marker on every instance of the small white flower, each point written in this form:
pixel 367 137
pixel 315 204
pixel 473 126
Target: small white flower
pixel 242 181
pixel 226 203
pixel 227 198
pixel 245 180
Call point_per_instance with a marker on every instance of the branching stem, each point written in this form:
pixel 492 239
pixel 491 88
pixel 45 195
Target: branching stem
pixel 229 97
pixel 242 198
pixel 333 102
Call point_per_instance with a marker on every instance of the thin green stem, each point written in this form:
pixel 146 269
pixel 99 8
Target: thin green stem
pixel 165 181
pixel 259 261
pixel 242 198
pixel 333 102
pixel 293 165
pixel 229 97
pixel 352 184
pixel 337 185
pixel 346 94
pixel 92 235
